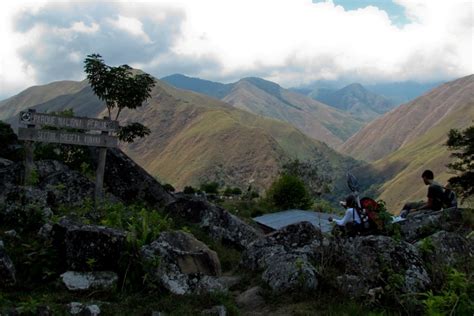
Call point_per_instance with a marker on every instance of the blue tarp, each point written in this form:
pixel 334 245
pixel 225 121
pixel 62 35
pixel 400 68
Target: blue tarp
pixel 285 218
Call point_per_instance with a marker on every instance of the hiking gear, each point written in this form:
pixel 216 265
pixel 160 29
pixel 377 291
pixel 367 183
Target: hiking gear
pixel 450 199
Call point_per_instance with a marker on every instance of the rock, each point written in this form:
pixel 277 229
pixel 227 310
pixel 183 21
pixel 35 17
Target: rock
pixel 285 255
pixel 287 275
pixel 45 231
pixel 156 313
pixel 87 281
pixel 43 310
pixel 251 299
pixel 129 182
pixel 291 239
pixel 88 247
pixel 367 260
pixel 424 224
pixel 7 269
pixel 76 308
pixel 11 233
pixel 445 249
pixel 182 264
pixel 219 223
pixel 218 310
pixel 230 281
pixel 5 163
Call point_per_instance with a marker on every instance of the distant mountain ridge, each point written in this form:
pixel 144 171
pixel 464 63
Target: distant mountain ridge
pixel 356 100
pixel 266 98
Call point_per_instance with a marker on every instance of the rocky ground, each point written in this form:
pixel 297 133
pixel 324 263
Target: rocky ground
pixel 146 251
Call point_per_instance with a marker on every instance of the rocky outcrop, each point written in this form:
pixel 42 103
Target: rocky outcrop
pixel 283 257
pixel 219 223
pixel 182 264
pixel 424 224
pixel 88 247
pixel 129 182
pixel 7 269
pixel 446 249
pixel 89 281
pixel 370 262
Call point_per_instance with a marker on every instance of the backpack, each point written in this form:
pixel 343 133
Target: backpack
pixel 450 200
pixel 369 214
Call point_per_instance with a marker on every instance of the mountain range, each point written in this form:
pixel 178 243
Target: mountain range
pixel 268 99
pixel 195 138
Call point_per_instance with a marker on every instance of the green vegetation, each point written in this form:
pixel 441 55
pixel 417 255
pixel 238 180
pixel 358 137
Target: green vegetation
pixel 463 143
pixel 210 187
pixel 9 142
pixel 119 89
pixel 287 192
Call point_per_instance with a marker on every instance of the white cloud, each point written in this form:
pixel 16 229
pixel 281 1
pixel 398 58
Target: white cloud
pixel 288 41
pixel 130 25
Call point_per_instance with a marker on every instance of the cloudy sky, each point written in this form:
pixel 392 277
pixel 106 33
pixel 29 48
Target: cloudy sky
pixel 292 42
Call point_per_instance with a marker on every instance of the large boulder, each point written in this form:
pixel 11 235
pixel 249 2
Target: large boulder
pixel 370 262
pixel 285 257
pixel 446 249
pixel 88 247
pixel 7 269
pixel 423 224
pixel 129 182
pixel 219 223
pixel 182 264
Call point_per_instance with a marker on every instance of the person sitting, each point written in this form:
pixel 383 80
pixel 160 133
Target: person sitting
pixel 351 219
pixel 435 197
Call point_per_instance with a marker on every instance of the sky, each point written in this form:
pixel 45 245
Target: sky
pixel 291 42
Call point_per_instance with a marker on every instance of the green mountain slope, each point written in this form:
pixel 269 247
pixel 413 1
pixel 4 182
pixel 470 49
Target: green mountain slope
pixel 409 121
pixel 403 168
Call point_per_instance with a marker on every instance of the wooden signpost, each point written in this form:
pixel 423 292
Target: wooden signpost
pixel 31 134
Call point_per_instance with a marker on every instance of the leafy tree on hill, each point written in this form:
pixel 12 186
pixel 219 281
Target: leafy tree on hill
pixel 318 181
pixel 210 187
pixel 288 192
pixel 462 143
pixel 119 88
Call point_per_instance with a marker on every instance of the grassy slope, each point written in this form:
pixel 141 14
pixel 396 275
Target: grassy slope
pixel 195 138
pixel 37 95
pixel 315 119
pixel 404 166
pixel 409 121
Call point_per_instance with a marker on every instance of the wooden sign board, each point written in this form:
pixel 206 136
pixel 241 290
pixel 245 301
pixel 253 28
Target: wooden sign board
pixel 83 123
pixel 61 137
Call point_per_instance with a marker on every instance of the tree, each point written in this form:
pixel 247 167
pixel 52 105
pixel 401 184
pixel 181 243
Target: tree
pixel 288 192
pixel 462 143
pixel 119 88
pixel 189 190
pixel 316 180
pixel 210 187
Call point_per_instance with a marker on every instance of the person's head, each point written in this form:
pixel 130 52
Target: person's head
pixel 427 176
pixel 350 201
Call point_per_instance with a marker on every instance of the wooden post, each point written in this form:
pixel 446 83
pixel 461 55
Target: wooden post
pixel 99 177
pixel 29 156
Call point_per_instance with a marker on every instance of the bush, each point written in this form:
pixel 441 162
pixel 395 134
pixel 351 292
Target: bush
pixel 189 190
pixel 288 192
pixel 210 187
pixel 168 187
pixel 9 141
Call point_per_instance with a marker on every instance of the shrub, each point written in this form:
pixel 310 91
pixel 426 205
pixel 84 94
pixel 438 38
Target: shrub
pixel 289 191
pixel 210 187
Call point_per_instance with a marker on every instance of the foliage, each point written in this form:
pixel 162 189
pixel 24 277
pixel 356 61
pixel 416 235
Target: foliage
pixel 119 88
pixel 316 180
pixel 324 206
pixel 32 178
pixel 232 191
pixel 210 187
pixel 132 131
pixel 462 143
pixel 289 191
pixel 455 298
pixel 189 190
pixel 168 187
pixel 9 142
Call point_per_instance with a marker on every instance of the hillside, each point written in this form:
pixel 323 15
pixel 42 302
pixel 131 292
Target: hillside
pixel 196 138
pixel 268 99
pixel 37 95
pixel 403 168
pixel 410 121
pixel 356 100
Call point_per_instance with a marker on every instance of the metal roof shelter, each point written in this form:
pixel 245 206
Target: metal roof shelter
pixel 275 221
